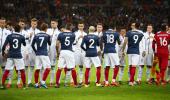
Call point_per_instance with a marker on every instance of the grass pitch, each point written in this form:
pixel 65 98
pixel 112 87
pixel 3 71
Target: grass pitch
pixel 124 92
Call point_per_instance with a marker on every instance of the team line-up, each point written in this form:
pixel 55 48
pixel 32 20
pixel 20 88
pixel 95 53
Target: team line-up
pixel 40 49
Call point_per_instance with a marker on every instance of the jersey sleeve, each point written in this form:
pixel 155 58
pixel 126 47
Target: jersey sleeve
pixel 33 44
pixel 23 41
pixel 5 44
pixel 82 44
pixel 127 34
pixel 59 37
pixel 49 40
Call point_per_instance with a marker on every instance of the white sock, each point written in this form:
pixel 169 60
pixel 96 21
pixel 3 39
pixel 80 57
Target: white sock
pixel 52 74
pixel 121 72
pixel 168 74
pixel 80 75
pixel 140 71
pixel 128 73
pixel 10 77
pixel 148 71
pixel 19 77
pixel 30 72
pixel 68 76
pixel 41 74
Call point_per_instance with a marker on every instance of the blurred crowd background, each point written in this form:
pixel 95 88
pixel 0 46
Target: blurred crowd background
pixel 118 13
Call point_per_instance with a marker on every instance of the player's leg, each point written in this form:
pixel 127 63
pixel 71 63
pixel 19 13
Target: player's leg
pixel 97 63
pixel 168 72
pixel 153 69
pixel 135 61
pixel 53 60
pixel 61 64
pixel 70 62
pixel 20 66
pixel 115 64
pixel 31 69
pixel 47 66
pixel 121 69
pixel 37 71
pixel 163 67
pixel 140 70
pixel 106 69
pixel 149 62
pixel 9 66
pixel 87 71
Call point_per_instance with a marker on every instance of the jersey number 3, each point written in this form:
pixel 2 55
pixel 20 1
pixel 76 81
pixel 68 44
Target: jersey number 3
pixel 15 45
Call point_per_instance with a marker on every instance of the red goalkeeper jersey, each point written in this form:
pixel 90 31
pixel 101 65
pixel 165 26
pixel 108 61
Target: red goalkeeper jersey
pixel 161 39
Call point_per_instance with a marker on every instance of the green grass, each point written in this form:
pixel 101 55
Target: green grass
pixel 124 92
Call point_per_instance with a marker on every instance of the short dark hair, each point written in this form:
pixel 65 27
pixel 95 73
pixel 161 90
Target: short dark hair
pixel 34 20
pixel 22 20
pixel 54 19
pixel 163 26
pixel 80 22
pixel 17 28
pixel 99 24
pixel 68 26
pixel 43 26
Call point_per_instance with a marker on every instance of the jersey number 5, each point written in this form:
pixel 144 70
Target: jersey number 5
pixel 67 41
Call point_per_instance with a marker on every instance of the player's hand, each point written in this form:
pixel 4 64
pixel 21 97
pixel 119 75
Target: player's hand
pixel 144 53
pixel 31 34
pixel 99 53
pixel 123 54
pixel 81 36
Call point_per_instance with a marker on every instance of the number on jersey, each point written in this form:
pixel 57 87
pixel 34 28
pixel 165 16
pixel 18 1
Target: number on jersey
pixel 91 43
pixel 163 41
pixel 67 41
pixel 135 38
pixel 15 45
pixel 110 38
pixel 42 40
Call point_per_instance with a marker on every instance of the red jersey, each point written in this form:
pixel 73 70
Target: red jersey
pixel 161 39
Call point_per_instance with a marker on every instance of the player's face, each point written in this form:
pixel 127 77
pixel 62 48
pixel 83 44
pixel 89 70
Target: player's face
pixel 22 24
pixel 80 26
pixel 2 23
pixel 54 24
pixel 133 25
pixel 33 24
pixel 99 28
pixel 149 29
pixel 123 32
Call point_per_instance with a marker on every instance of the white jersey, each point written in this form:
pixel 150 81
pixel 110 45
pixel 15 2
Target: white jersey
pixel 3 34
pixel 34 31
pixel 142 44
pixel 99 34
pixel 53 34
pixel 149 38
pixel 24 49
pixel 78 40
pixel 120 47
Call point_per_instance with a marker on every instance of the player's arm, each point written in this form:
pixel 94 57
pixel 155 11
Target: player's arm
pixel 144 46
pixel 49 40
pixel 154 43
pixel 118 40
pixel 58 46
pixel 4 46
pixel 24 43
pixel 33 44
pixel 124 45
pixel 82 44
